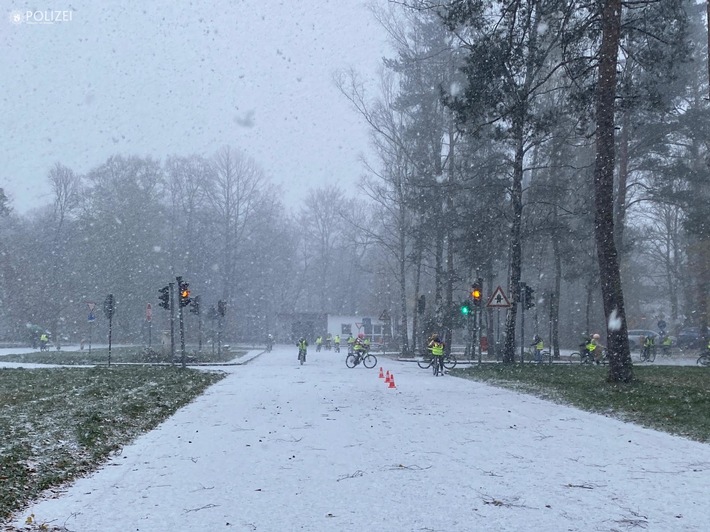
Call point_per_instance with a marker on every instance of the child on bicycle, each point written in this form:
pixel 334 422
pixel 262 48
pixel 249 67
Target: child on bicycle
pixel 361 346
pixel 436 348
pixel 596 349
pixel 537 345
pixel 649 343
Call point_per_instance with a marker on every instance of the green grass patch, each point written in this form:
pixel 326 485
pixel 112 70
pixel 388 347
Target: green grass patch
pixel 60 423
pixel 674 399
pixel 121 355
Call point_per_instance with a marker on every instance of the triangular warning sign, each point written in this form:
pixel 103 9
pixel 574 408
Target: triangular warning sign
pixel 498 299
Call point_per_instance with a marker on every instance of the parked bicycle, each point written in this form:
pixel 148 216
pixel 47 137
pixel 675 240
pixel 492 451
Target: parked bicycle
pixel 704 358
pixel 353 359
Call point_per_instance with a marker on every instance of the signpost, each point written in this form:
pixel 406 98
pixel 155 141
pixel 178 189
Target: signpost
pixel 149 319
pixel 498 301
pixel 109 308
pixel 91 319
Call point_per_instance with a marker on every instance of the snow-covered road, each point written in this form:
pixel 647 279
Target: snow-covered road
pixel 280 447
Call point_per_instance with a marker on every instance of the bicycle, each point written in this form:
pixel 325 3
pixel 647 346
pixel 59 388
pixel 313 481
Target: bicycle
pixel 648 354
pixel 368 360
pixel 704 358
pixel 545 356
pixel 426 362
pixel 586 358
pixel 301 356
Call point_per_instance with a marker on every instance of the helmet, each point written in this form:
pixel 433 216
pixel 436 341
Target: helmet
pixel 302 339
pixel 361 335
pixel 596 336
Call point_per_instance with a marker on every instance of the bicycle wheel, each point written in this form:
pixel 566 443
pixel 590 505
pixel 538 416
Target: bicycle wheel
pixel 435 367
pixel 704 360
pixel 575 358
pixel 351 361
pixel 370 361
pixel 652 355
pixel 546 357
pixel 301 357
pixel 424 363
pixel 450 362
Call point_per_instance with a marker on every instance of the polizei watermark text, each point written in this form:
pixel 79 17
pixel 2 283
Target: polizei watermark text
pixel 41 16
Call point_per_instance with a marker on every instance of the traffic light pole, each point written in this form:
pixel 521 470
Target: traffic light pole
pixel 172 323
pixel 480 332
pixel 182 324
pixel 523 305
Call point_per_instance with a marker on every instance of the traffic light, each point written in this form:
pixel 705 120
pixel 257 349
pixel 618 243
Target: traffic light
pixel 164 297
pixel 529 297
pixel 109 307
pixel 465 308
pixel 184 294
pixel 477 292
pixel 195 309
pixel 221 307
pixel 421 304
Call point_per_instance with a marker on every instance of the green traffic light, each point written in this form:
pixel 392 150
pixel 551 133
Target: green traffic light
pixel 464 309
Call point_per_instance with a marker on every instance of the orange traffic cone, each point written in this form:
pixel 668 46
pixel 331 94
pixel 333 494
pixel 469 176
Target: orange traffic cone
pixel 391 385
pixel 381 375
pixel 387 377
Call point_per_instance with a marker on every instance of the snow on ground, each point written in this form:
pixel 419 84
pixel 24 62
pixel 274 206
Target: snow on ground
pixel 277 446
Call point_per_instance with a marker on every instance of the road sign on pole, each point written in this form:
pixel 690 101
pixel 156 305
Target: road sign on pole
pixel 498 299
pixel 148 312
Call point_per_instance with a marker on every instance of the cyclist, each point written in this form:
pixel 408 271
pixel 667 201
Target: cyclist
pixel 436 348
pixel 43 342
pixel 537 345
pixel 361 346
pixel 328 342
pixel 319 342
pixel 588 347
pixel 302 347
pixel 596 349
pixel 269 342
pixel 336 342
pixel 649 343
pixel 351 343
pixel 666 345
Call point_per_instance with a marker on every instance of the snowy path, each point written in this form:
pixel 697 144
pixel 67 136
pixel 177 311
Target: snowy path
pixel 278 447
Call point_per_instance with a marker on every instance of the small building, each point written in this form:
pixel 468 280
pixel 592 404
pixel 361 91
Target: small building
pixel 293 325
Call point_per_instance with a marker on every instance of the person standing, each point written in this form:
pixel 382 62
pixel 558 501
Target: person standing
pixel 302 348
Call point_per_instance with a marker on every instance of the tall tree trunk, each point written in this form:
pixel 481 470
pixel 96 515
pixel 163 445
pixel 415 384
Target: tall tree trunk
pixel 620 367
pixel 403 337
pixel 516 199
pixel 620 219
pixel 555 296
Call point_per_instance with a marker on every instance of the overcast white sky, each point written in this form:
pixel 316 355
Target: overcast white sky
pixel 160 78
